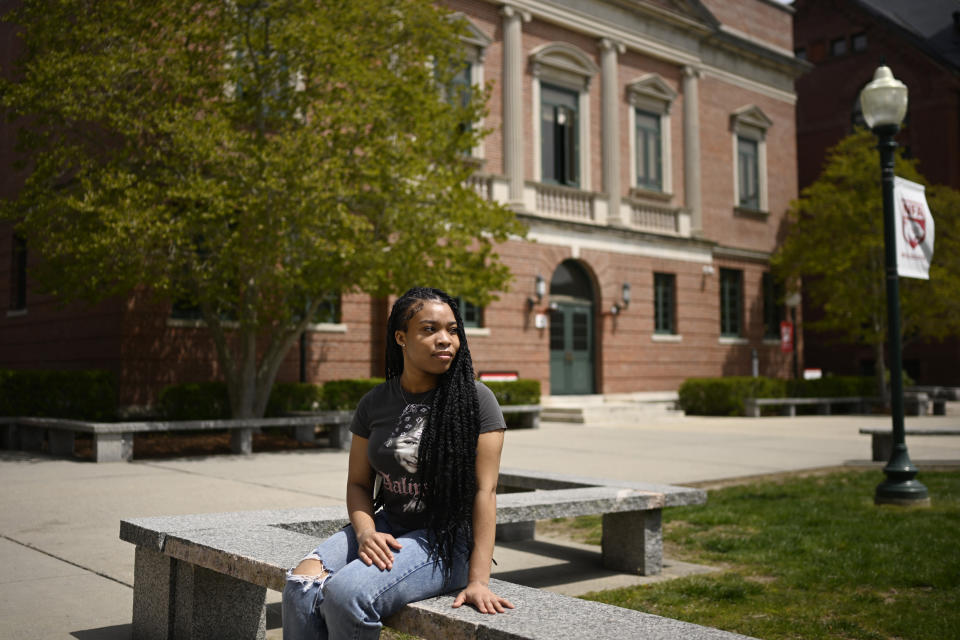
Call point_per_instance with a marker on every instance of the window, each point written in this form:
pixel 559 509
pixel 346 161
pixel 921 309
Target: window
pixel 475 43
pixel 772 307
pixel 471 314
pixel 664 303
pixel 650 96
pixel 561 114
pixel 859 42
pixel 749 127
pixel 328 312
pixel 748 173
pixel 559 133
pixel 838 47
pixel 18 273
pixel 649 157
pixel 731 303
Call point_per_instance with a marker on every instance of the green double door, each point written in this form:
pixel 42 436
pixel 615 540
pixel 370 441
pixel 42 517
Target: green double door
pixel 571 348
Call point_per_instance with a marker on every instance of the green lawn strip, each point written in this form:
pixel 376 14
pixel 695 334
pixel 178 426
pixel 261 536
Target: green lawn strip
pixel 812 558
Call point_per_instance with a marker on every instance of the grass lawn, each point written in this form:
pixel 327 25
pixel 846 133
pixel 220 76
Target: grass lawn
pixel 812 558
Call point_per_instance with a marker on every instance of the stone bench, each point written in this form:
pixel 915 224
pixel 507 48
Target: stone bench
pixel 529 414
pixel 200 576
pixel 939 396
pixel 113 441
pixel 881 439
pixel 915 404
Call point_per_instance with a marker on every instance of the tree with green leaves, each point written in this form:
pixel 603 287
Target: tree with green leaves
pixel 834 242
pixel 249 158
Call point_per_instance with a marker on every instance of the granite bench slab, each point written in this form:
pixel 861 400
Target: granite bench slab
pixel 113 441
pixel 881 439
pixel 914 404
pixel 193 572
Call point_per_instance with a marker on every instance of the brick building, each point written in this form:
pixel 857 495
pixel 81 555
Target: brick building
pixel 650 146
pixel 845 42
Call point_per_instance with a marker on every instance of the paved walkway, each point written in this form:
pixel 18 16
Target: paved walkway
pixel 64 573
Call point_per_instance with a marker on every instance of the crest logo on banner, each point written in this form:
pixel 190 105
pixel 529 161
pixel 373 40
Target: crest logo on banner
pixel 915 237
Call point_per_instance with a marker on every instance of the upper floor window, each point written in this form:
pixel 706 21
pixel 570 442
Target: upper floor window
pixel 559 136
pixel 18 273
pixel 749 128
pixel 561 107
pixel 650 97
pixel 859 42
pixel 838 47
pixel 475 43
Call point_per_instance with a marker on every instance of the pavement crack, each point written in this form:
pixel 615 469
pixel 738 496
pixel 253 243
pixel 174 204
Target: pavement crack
pixel 70 562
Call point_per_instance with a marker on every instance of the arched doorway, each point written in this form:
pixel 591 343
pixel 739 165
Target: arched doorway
pixel 571 330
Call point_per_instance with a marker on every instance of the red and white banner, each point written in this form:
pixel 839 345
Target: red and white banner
pixel 914 229
pixel 786 336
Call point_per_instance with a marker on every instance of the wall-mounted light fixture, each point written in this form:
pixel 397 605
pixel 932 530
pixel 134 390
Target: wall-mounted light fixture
pixel 708 269
pixel 624 301
pixel 539 290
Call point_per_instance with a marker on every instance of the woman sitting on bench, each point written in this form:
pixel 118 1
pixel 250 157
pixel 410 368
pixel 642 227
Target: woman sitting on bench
pixel 429 440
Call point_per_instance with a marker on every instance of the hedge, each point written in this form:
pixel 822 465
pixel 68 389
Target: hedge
pixel 209 400
pixel 81 395
pixel 725 396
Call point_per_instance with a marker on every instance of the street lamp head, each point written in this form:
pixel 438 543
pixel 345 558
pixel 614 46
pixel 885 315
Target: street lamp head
pixel 884 100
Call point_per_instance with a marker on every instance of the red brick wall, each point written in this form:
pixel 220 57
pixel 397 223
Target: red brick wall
pixel 763 19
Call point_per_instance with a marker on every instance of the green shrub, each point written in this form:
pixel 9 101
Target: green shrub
pixel 725 396
pixel 832 387
pixel 80 395
pixel 345 394
pixel 294 396
pixel 195 401
pixel 522 391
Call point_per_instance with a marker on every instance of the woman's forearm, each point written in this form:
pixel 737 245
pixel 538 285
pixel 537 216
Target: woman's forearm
pixel 360 507
pixel 484 534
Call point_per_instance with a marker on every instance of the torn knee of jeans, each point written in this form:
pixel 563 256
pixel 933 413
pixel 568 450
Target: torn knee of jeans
pixel 307 580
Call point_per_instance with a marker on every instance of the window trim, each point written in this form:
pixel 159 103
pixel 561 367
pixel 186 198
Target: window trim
pixel 652 94
pixel 566 67
pixel 725 334
pixel 751 123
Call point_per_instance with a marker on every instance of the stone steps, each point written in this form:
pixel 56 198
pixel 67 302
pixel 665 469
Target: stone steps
pixel 599 409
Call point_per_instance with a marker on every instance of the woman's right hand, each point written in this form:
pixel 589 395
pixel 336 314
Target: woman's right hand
pixel 375 548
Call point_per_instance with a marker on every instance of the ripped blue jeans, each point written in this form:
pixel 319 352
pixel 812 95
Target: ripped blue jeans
pixel 351 600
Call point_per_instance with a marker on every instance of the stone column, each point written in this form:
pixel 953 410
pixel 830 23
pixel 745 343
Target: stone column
pixel 691 149
pixel 611 126
pixel 512 88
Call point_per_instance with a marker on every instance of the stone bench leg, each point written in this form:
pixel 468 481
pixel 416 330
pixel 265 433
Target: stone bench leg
pixel 881 445
pixel 173 599
pixel 30 438
pixel 112 447
pixel 633 542
pixel 939 407
pixel 8 436
pixel 516 531
pixel 241 441
pixel 305 433
pixel 61 442
pixel 340 436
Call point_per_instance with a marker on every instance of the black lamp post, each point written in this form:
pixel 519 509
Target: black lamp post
pixel 884 103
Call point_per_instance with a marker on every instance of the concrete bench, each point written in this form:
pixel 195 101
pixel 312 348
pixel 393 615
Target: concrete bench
pixel 881 439
pixel 113 441
pixel 206 576
pixel 529 414
pixel 939 396
pixel 915 404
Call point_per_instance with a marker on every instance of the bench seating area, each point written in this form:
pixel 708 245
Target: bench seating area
pixel 881 439
pixel 206 576
pixel 113 441
pixel 529 414
pixel 939 396
pixel 915 404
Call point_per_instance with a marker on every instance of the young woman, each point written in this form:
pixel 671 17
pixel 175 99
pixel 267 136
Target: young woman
pixel 421 487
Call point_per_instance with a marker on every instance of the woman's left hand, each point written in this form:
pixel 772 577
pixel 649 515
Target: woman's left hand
pixel 480 596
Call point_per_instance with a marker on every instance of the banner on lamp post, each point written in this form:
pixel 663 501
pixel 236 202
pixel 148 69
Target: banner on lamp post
pixel 914 229
pixel 786 336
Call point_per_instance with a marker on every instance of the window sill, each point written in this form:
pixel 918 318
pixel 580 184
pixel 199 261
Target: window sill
pixel 183 323
pixel 477 331
pixel 16 313
pixel 648 194
pixel 666 337
pixel 746 212
pixel 732 340
pixel 327 327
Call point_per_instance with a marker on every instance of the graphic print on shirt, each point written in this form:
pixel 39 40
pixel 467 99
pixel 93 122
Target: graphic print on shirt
pixel 403 447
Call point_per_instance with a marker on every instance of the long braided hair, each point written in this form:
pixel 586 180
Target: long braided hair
pixel 448 446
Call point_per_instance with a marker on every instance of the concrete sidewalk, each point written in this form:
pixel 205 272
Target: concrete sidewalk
pixel 66 574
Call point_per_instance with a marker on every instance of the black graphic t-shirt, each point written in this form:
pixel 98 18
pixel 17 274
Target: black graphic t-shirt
pixel 393 428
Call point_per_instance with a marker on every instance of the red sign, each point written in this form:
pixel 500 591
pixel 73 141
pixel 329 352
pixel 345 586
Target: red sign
pixel 786 337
